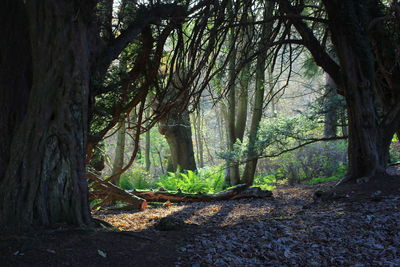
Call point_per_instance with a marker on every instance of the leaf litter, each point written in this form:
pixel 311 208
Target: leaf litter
pixel 290 230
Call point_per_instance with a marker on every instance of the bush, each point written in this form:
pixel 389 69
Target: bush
pixel 340 172
pixel 315 160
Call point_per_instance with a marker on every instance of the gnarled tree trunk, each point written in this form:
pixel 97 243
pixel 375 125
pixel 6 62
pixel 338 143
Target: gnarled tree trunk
pixel 177 130
pixel 372 122
pixel 44 179
pixel 15 74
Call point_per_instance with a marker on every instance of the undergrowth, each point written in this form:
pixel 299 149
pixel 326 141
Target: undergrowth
pixel 207 180
pixel 340 172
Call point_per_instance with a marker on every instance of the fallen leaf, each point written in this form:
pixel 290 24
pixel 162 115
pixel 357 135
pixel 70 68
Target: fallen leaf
pixel 102 253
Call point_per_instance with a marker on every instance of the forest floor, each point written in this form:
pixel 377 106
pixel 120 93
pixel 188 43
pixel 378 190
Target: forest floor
pixel 292 229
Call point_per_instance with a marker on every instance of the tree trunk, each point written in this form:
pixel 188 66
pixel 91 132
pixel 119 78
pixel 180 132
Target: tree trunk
pixel 109 192
pixel 44 181
pixel 15 74
pixel 147 151
pixel 119 152
pixel 252 157
pixel 105 10
pixel 241 117
pixel 237 192
pixel 198 137
pixel 243 99
pixel 222 133
pixel 369 138
pixel 251 164
pixel 160 158
pixel 97 162
pixel 232 175
pixel 177 130
pixel 343 122
pixel 331 109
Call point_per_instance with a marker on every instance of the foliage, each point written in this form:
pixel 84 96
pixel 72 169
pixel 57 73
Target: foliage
pixel 340 172
pixel 206 180
pixel 310 68
pixel 94 202
pixel 279 134
pixel 276 135
pixel 136 179
pixel 265 182
pixel 394 152
pixel 306 163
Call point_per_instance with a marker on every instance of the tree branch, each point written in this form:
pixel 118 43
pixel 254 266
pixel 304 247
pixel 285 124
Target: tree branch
pixel 321 57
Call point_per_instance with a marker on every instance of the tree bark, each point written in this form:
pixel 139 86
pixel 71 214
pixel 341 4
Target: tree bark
pixel 175 126
pixel 369 138
pixel 44 180
pixel 197 126
pixel 109 192
pixel 232 175
pixel 147 151
pixel 243 99
pixel 105 10
pixel 252 157
pixel 15 74
pixel 237 192
pixel 370 89
pixel 331 109
pixel 119 152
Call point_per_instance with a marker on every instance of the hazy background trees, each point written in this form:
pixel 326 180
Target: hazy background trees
pixel 249 90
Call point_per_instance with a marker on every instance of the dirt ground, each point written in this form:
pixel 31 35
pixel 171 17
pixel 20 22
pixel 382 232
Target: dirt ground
pixel 293 229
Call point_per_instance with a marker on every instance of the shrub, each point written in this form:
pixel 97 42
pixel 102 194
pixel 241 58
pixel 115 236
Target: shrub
pixel 340 172
pixel 315 160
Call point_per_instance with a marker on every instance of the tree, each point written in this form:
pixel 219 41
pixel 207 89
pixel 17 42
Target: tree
pixel 251 164
pixel 43 182
pixel 331 111
pixel 362 35
pixel 176 128
pixel 371 92
pixel 198 133
pixel 237 100
pixel 52 54
pixel 147 150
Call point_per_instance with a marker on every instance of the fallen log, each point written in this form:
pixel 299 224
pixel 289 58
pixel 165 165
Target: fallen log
pixel 109 192
pixel 237 192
